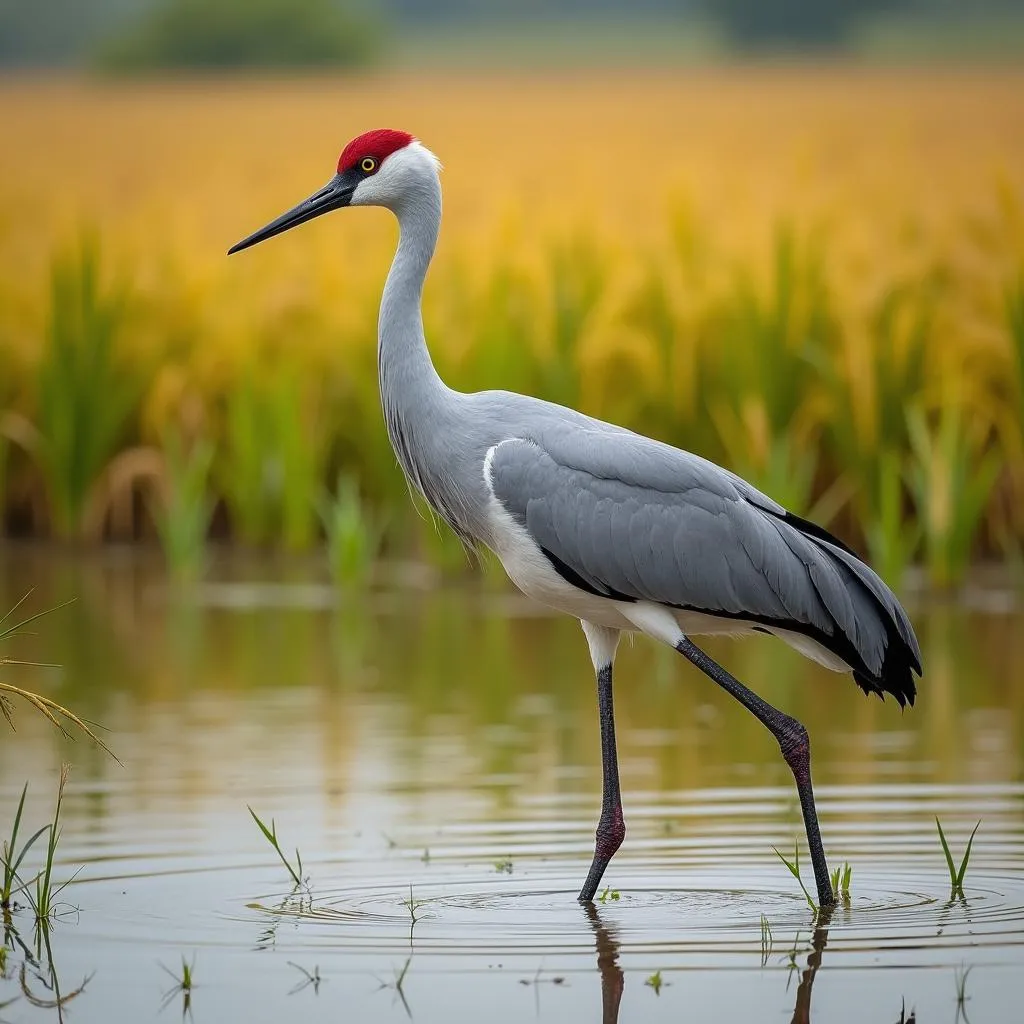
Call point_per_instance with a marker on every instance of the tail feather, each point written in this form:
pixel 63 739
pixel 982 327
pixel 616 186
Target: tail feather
pixel 878 608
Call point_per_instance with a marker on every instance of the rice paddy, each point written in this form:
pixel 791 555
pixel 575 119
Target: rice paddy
pixel 814 276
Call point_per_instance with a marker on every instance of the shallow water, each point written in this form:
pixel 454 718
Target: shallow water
pixel 444 742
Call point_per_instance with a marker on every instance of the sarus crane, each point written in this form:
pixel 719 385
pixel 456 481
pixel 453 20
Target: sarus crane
pixel 618 530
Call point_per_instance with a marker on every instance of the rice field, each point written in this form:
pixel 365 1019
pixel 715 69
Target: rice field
pixel 812 275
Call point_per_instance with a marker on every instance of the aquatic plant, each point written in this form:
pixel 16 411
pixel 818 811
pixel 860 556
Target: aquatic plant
pixel 353 535
pixel 767 939
pixel 608 893
pixel 271 836
pixel 86 392
pixel 892 536
pixel 841 876
pixel 793 866
pixel 952 474
pixel 656 982
pixel 186 980
pixel 779 330
pixel 46 890
pixel 503 866
pixel 272 464
pixel 956 876
pixel 183 516
pixel 184 983
pixel 309 978
pixel 48 708
pixel 11 857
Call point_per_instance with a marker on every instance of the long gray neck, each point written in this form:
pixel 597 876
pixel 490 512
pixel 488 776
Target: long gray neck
pixel 420 412
pixel 405 366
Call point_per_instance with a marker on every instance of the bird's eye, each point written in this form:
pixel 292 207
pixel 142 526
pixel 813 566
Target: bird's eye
pixel 368 164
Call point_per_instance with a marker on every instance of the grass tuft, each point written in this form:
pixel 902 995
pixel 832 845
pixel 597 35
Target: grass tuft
pixel 46 891
pixel 841 881
pixel 793 867
pixel 956 877
pixel 12 856
pixel 656 982
pixel 271 836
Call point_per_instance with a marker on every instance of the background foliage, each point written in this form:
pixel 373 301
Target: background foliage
pixel 811 276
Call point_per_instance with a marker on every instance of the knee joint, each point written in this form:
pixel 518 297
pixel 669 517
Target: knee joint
pixel 795 744
pixel 611 831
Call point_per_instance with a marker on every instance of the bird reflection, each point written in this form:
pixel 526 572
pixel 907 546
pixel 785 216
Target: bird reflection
pixel 612 978
pixel 819 939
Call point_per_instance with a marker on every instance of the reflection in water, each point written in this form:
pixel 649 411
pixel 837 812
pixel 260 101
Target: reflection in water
pixel 462 722
pixel 612 978
pixel 37 974
pixel 819 939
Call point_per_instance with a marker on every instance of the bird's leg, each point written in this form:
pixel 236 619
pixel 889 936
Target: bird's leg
pixel 611 828
pixel 796 749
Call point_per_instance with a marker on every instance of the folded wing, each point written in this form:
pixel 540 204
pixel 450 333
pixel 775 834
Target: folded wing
pixel 632 519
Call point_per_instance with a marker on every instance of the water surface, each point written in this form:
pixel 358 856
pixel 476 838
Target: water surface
pixel 440 744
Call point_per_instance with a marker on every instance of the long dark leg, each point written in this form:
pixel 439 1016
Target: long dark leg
pixel 796 749
pixel 611 829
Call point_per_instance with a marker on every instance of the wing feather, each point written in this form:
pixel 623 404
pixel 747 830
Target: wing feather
pixel 638 520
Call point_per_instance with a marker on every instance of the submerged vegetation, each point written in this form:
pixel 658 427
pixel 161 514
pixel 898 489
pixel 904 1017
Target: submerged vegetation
pixel 854 349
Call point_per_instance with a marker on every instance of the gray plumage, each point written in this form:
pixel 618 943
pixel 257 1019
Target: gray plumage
pixel 617 513
pixel 621 531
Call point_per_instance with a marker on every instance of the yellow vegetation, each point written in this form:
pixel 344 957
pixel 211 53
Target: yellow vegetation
pixel 620 240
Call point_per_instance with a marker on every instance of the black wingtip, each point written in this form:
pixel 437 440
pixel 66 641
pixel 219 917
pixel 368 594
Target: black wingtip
pixel 897 675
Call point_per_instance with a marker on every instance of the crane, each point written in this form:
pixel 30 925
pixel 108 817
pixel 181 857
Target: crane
pixel 623 532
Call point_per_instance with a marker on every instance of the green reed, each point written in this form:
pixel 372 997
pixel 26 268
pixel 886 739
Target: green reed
pixel 86 393
pixel 46 890
pixel 843 411
pixel 841 877
pixel 11 857
pixel 183 518
pixel 956 875
pixel 354 536
pixel 952 475
pixel 892 537
pixel 185 981
pixel 272 462
pixel 271 836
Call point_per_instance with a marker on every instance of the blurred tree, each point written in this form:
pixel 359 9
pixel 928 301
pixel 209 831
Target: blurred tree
pixel 245 33
pixel 802 23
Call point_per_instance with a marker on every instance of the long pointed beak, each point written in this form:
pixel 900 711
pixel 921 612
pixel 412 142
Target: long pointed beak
pixel 334 195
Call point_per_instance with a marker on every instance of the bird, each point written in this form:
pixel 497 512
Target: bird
pixel 621 531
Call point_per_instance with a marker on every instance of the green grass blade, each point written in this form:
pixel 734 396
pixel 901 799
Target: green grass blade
pixel 17 823
pixel 945 850
pixel 794 870
pixel 270 833
pixel 25 849
pixel 967 856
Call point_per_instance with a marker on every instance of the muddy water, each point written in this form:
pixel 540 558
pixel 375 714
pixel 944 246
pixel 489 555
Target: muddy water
pixel 440 745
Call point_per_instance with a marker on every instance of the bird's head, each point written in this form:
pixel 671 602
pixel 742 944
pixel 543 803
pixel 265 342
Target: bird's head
pixel 379 168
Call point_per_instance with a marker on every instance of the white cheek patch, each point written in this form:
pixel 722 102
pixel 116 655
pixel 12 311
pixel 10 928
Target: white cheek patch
pixel 398 173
